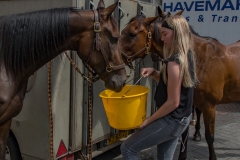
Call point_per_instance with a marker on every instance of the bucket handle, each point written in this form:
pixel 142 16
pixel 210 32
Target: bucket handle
pixel 132 87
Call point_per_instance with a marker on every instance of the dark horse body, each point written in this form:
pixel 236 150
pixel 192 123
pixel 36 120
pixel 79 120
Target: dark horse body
pixel 30 40
pixel 217 68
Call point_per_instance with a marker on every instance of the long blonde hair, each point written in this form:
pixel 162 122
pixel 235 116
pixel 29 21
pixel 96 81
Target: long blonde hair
pixel 182 43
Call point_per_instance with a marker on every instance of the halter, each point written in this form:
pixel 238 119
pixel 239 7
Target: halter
pixel 145 48
pixel 98 46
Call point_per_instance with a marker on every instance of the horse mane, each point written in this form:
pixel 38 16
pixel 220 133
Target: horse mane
pixel 156 30
pixel 113 21
pixel 195 33
pixel 24 37
pixel 139 18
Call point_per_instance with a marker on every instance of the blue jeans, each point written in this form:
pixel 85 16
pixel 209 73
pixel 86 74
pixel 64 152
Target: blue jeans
pixel 163 132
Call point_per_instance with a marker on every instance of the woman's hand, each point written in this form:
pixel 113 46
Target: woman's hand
pixel 144 124
pixel 145 72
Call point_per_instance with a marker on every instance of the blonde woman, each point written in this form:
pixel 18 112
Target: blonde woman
pixel 174 94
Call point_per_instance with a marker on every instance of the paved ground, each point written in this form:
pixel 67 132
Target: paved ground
pixel 227 139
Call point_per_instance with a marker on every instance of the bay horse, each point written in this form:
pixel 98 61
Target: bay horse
pixel 30 40
pixel 217 67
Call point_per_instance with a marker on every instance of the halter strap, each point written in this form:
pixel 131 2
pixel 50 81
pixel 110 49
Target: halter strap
pixel 97 29
pixel 145 48
pixel 98 46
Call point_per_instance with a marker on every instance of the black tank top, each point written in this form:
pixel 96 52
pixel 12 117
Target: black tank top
pixel 186 98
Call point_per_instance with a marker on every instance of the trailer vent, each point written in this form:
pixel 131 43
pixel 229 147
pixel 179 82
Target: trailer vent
pixel 61 149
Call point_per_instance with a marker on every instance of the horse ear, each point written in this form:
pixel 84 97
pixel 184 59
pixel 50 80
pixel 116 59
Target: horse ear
pixel 108 11
pixel 160 12
pixel 150 20
pixel 180 13
pixel 101 4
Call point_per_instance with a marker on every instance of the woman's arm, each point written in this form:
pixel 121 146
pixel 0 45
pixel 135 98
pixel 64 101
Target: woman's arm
pixel 155 75
pixel 173 91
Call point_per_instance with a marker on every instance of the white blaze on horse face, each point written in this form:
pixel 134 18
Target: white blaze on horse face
pixel 167 36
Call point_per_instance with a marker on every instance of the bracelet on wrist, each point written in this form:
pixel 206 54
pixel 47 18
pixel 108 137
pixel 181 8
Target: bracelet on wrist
pixel 153 73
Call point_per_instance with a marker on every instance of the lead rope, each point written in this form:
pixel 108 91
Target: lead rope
pixel 78 70
pixel 90 117
pixel 50 111
pixel 183 146
pixel 82 156
pixel 51 117
pixel 89 104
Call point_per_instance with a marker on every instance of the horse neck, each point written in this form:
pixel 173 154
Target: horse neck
pixel 79 24
pixel 206 46
pixel 156 47
pixel 201 46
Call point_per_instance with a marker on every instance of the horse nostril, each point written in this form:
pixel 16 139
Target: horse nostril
pixel 114 83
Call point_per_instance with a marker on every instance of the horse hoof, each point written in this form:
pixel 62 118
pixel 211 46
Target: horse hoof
pixel 193 122
pixel 197 138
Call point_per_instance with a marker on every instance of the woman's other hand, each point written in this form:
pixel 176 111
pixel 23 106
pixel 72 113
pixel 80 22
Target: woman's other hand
pixel 144 124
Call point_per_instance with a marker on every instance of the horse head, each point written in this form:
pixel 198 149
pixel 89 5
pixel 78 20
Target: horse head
pixel 143 35
pixel 136 38
pixel 97 44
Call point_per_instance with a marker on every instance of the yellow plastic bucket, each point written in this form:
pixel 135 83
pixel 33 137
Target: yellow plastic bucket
pixel 127 112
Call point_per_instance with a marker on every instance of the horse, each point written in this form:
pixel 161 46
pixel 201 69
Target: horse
pixel 217 67
pixel 29 40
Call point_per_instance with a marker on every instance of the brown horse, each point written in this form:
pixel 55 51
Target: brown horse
pixel 217 67
pixel 30 40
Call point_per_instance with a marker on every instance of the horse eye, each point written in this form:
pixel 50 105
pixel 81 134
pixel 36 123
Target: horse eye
pixel 132 34
pixel 114 40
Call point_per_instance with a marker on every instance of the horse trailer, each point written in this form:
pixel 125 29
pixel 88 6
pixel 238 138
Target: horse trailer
pixel 61 130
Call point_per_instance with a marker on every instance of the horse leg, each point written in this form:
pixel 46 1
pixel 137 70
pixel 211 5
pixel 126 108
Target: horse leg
pixel 183 145
pixel 209 122
pixel 11 101
pixel 4 131
pixel 197 134
pixel 193 121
